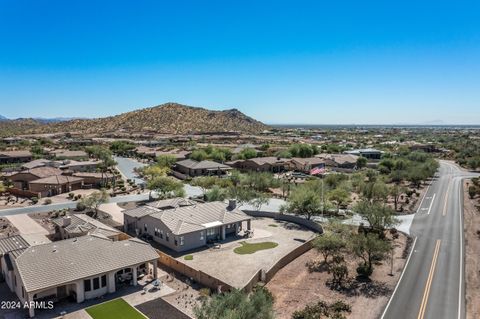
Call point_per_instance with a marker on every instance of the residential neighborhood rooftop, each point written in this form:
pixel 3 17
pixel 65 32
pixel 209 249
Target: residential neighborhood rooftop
pixel 72 259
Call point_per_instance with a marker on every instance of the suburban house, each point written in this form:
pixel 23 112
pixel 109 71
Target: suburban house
pixel 9 157
pixel 80 166
pixel 263 164
pixel 191 168
pixel 75 225
pixel 368 153
pixel 22 179
pixel 339 162
pixel 41 163
pixel 306 165
pixel 95 179
pixel 67 154
pixel 78 269
pixel 154 153
pixel 187 227
pixel 55 185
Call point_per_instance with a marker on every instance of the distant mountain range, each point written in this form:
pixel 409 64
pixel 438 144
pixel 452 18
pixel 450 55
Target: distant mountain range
pixel 169 118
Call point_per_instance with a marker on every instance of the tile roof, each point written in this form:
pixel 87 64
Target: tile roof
pixel 202 165
pixel 57 180
pixel 82 223
pixel 43 171
pixel 12 243
pixel 64 261
pixel 188 219
pixel 172 203
pixel 308 160
pixel 268 160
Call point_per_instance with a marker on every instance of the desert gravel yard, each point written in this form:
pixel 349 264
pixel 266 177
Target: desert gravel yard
pixel 237 269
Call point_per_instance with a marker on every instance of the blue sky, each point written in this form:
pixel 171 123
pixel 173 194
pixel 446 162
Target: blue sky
pixel 314 62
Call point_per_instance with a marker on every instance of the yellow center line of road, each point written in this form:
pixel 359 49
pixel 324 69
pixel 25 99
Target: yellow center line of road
pixel 423 305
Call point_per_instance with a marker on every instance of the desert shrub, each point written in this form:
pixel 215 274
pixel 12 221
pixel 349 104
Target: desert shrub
pixel 48 201
pixel 81 206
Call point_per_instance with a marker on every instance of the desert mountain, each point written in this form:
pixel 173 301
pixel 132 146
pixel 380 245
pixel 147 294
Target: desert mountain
pixel 166 118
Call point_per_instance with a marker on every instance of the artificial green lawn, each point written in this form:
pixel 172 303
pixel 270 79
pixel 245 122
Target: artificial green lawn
pixel 114 309
pixel 248 248
pixel 188 257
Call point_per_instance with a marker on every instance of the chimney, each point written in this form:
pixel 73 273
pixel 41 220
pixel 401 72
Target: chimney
pixel 232 204
pixel 66 221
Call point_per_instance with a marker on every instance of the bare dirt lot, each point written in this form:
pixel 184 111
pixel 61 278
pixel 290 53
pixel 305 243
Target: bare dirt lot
pixel 294 286
pixel 472 251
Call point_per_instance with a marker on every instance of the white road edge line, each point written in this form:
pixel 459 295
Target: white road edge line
pixel 400 279
pixel 431 204
pixel 461 250
pixel 423 198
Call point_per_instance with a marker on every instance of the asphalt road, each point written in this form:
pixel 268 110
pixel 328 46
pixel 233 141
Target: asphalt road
pixel 432 284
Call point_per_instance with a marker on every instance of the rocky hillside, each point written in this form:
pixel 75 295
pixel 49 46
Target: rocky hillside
pixel 166 118
pixel 18 126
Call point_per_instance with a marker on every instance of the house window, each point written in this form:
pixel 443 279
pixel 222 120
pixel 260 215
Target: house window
pixel 175 241
pixel 167 236
pixel 228 226
pixel 201 235
pixel 88 285
pixel 156 232
pixel 145 227
pixel 161 233
pixel 104 280
pixel 210 231
pixel 182 240
pixel 96 283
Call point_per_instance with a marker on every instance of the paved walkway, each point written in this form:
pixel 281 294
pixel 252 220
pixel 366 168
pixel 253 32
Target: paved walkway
pixel 126 167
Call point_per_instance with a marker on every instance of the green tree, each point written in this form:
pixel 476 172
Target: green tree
pixel 216 193
pixel 166 187
pixel 122 147
pixel 369 248
pixel 166 160
pixel 94 200
pixel 204 182
pixel 361 162
pixel 304 200
pixel 396 191
pixel 339 196
pixel 237 305
pixel 199 155
pixel 3 189
pixel 378 216
pixel 329 244
pixel 321 309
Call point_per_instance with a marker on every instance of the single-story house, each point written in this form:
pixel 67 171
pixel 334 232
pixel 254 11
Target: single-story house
pixel 8 157
pixel 67 154
pixel 154 152
pixel 41 163
pixel 339 162
pixel 95 179
pixel 305 165
pixel 80 268
pixel 54 185
pixel 75 225
pixel 80 166
pixel 368 153
pixel 187 227
pixel 263 164
pixel 22 179
pixel 193 168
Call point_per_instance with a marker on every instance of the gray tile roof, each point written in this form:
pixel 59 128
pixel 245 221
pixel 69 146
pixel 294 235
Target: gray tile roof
pixel 11 243
pixel 188 163
pixel 82 223
pixel 172 203
pixel 64 261
pixel 183 220
pixel 140 211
